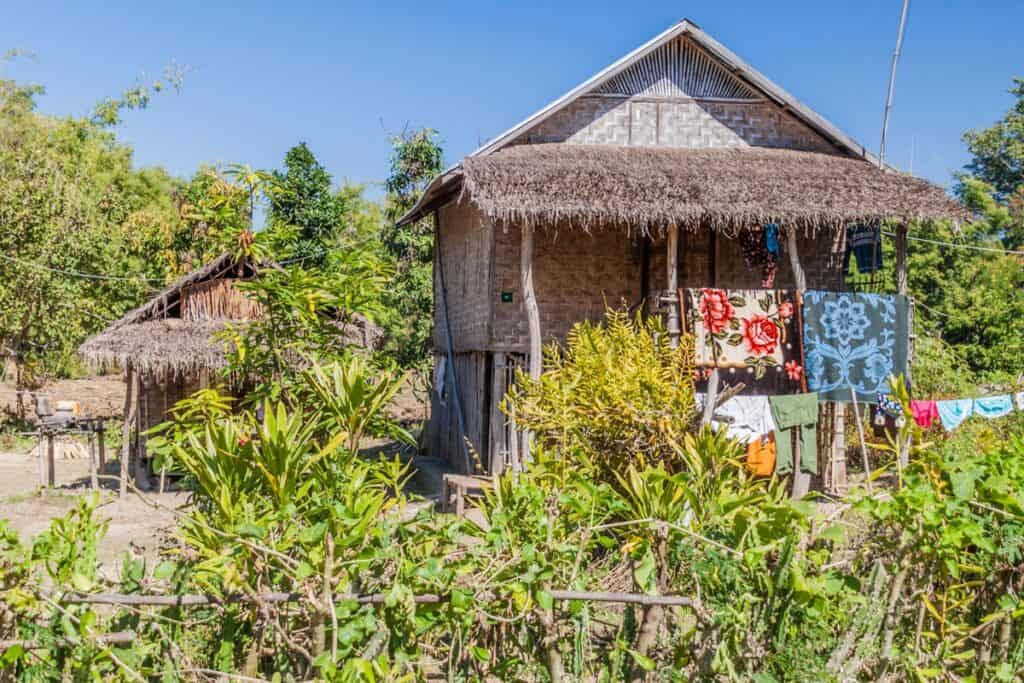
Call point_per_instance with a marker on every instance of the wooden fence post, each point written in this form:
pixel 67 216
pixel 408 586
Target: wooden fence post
pixel 673 325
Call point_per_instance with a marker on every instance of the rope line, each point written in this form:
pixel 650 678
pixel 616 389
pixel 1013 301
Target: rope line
pixel 958 246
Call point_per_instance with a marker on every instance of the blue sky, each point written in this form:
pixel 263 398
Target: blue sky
pixel 343 77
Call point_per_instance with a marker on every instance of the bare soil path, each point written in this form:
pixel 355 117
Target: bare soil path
pixel 134 527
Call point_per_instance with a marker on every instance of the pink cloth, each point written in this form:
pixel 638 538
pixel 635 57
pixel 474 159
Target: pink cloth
pixel 925 412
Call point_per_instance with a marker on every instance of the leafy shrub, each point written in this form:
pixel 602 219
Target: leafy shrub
pixel 616 394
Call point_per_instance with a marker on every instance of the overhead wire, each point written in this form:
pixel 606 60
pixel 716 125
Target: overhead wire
pixel 957 245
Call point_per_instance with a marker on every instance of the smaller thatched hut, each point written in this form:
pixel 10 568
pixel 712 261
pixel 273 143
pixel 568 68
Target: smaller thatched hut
pixel 168 347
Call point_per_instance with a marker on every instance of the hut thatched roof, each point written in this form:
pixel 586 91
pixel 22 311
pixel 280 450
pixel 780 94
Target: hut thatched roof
pixel 644 188
pixel 163 347
pixel 156 341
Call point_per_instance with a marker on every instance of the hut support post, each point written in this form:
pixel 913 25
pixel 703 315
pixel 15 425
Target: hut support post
pixel 94 482
pixel 126 428
pixel 901 260
pixel 141 473
pixel 672 260
pixel 101 445
pixel 51 462
pixel 530 301
pixel 801 479
pixel 901 288
pixel 41 450
pixel 532 317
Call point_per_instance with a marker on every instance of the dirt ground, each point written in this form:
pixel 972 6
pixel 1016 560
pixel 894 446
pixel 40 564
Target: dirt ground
pixel 134 526
pixel 100 396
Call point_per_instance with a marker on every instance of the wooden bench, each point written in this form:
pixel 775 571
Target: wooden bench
pixel 456 487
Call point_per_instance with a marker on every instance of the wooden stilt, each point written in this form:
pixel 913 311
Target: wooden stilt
pixel 101 445
pixel 532 317
pixel 672 325
pixel 530 302
pixel 126 429
pixel 863 444
pixel 41 450
pixel 94 482
pixel 801 479
pixel 51 474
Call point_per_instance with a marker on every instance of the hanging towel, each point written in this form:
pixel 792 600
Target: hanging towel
pixel 925 412
pixel 751 418
pixel 761 456
pixel 993 406
pixel 854 340
pixel 771 239
pixel 865 245
pixel 890 406
pixel 954 412
pixel 1020 400
pixel 748 331
pixel 797 412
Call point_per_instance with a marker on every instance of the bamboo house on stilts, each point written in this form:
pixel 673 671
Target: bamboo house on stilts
pixel 679 169
pixel 168 347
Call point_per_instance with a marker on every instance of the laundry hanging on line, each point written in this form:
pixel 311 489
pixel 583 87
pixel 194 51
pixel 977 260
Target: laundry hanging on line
pixel 856 340
pixel 748 331
pixel 864 244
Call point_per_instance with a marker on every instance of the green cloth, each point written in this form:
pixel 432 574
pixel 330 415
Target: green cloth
pixel 795 412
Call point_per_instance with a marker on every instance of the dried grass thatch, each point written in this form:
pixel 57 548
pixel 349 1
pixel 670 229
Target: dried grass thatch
pixel 168 347
pixel 643 189
pixel 174 334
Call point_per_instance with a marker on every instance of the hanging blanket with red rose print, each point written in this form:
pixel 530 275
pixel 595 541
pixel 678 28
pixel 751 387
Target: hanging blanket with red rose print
pixel 751 332
pixel 854 340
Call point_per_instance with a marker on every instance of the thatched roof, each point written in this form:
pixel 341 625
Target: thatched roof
pixel 154 339
pixel 166 301
pixel 644 188
pixel 164 347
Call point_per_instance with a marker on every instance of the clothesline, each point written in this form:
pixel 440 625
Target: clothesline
pixel 955 245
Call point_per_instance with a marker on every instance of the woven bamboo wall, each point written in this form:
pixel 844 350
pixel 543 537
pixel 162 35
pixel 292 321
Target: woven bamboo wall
pixel 466 247
pixel 217 300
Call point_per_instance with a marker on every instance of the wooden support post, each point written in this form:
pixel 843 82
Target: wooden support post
pixel 499 445
pixel 839 447
pixel 801 479
pixel 141 468
pixel 94 482
pixel 51 474
pixel 41 450
pixel 901 260
pixel 673 324
pixel 530 302
pixel 101 443
pixel 126 428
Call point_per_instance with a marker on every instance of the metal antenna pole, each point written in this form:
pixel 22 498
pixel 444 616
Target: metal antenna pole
pixel 892 80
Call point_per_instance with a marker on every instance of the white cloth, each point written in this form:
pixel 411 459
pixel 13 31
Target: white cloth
pixel 751 417
pixel 1020 400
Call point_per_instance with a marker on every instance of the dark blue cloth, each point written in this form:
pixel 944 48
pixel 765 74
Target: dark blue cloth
pixel 865 244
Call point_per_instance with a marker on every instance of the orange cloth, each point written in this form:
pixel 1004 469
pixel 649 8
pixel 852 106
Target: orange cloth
pixel 761 456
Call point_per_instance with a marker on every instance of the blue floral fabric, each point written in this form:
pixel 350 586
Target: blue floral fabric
pixel 853 340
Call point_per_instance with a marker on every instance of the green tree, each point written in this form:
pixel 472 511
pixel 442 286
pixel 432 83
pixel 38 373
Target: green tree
pixel 80 230
pixel 305 216
pixel 416 158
